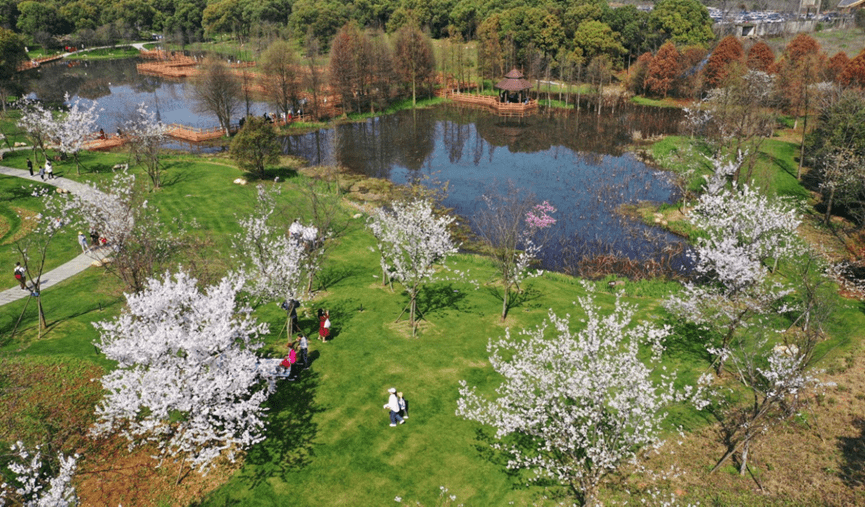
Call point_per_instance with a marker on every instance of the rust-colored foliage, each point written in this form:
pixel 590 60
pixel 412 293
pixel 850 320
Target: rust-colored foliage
pixel 664 70
pixel 726 54
pixel 638 73
pixel 836 65
pixel 854 72
pixel 802 65
pixel 691 81
pixel 761 57
pixel 800 47
pixel 345 69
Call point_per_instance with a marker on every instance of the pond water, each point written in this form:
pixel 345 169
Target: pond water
pixel 118 88
pixel 576 161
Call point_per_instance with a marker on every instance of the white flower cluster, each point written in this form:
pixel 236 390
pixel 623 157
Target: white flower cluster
pixel 586 398
pixel 36 488
pixel 277 261
pixel 187 375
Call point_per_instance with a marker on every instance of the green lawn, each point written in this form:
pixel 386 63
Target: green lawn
pixel 328 440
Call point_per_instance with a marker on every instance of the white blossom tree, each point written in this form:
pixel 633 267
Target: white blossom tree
pixel 586 400
pixel 146 135
pixel 741 230
pixel 509 226
pixel 412 241
pixel 140 244
pixel 34 486
pixel 32 250
pixel 775 368
pixel 74 128
pixel 39 125
pixel 276 259
pixel 187 376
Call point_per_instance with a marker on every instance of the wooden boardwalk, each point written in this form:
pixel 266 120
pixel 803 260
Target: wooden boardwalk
pixel 506 109
pixel 106 144
pixel 32 64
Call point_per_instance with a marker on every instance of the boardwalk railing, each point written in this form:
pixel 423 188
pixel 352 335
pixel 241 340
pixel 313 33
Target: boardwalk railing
pixel 507 109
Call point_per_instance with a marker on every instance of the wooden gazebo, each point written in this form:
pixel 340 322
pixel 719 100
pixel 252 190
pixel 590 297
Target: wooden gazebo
pixel 513 87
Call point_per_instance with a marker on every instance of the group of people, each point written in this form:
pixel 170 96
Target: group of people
pixel 397 406
pixel 95 241
pixel 46 170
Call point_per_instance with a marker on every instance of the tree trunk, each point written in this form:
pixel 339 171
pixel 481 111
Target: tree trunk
pixel 413 305
pixel 744 466
pixel 43 324
pixel 829 206
pixel 802 147
pixel 505 303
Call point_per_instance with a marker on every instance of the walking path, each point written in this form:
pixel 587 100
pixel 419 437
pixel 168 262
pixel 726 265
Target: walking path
pixel 64 271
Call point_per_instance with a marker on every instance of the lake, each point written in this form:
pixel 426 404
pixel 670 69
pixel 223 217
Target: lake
pixel 578 161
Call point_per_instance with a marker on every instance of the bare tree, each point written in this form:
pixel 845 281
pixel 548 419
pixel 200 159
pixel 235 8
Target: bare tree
pixel 415 61
pixel 280 78
pixel 509 226
pixel 314 77
pixel 217 91
pixel 145 136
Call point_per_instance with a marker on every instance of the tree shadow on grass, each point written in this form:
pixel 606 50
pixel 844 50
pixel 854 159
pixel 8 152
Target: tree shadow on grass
pixel 331 275
pixel 486 449
pixel 283 173
pixel 290 433
pixel 687 342
pixel 517 298
pixel 439 296
pixel 853 451
pixel 174 173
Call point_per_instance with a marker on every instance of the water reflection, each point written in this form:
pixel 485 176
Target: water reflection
pixel 119 88
pixel 576 161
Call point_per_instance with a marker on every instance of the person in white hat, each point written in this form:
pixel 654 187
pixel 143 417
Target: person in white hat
pixel 393 405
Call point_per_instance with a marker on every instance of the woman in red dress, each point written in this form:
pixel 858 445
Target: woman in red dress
pixel 323 325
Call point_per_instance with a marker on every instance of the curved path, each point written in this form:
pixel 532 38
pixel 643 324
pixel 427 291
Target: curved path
pixel 56 275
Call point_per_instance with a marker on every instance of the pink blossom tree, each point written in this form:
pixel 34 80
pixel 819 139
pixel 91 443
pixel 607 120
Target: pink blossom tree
pixel 512 228
pixel 583 402
pixel 413 241
pixel 187 375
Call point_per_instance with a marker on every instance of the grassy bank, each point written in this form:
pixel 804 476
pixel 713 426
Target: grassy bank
pixel 328 440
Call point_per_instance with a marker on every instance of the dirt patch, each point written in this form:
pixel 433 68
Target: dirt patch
pixel 816 458
pixel 116 476
pixel 28 223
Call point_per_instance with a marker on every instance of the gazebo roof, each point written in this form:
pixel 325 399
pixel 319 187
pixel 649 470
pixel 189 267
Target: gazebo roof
pixel 513 82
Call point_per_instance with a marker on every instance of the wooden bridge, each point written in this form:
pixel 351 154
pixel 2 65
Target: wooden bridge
pixel 32 64
pixel 506 109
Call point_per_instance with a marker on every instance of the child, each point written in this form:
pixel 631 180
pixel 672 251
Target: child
pixel 403 405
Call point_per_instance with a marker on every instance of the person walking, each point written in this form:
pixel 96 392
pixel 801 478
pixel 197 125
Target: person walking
pixel 323 325
pixel 30 166
pixel 403 405
pixel 21 275
pixel 49 169
pixel 42 172
pixel 393 405
pixel 82 240
pixel 303 344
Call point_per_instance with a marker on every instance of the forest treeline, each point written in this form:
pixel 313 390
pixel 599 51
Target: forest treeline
pixel 557 29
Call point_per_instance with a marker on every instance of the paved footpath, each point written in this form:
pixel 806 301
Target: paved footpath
pixel 60 273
